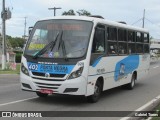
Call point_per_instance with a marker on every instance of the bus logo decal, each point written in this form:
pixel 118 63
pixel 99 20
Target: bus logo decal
pixel 126 66
pixel 122 69
pixel 47 75
pixel 50 54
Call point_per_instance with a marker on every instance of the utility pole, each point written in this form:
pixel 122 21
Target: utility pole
pixel 3 35
pixel 25 24
pixel 143 18
pixel 5 14
pixel 54 10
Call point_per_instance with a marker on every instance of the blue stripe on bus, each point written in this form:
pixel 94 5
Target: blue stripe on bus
pixel 50 68
pixel 96 61
pixel 123 67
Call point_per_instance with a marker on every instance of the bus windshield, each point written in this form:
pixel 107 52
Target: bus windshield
pixel 59 39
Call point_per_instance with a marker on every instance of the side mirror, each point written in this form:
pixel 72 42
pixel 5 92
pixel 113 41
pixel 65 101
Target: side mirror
pixel 30 30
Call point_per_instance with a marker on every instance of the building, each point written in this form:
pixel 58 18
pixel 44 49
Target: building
pixel 10 56
pixel 155 44
pixel 155 47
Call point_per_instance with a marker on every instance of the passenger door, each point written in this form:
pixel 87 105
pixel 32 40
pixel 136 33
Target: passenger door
pixel 98 52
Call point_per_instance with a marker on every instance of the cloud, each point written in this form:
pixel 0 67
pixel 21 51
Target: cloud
pixel 122 10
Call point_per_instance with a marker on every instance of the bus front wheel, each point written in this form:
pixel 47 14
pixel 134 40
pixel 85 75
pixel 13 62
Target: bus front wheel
pixel 41 94
pixel 97 92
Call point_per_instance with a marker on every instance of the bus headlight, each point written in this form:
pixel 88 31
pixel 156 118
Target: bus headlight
pixel 24 69
pixel 76 73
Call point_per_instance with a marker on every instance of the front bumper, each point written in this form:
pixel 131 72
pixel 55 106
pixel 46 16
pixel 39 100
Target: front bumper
pixel 75 86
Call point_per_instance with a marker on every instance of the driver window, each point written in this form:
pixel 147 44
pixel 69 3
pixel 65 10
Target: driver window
pixel 40 36
pixel 98 45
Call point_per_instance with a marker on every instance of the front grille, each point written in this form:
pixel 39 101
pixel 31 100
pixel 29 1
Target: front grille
pixel 48 79
pixel 38 74
pixel 51 75
pixel 47 86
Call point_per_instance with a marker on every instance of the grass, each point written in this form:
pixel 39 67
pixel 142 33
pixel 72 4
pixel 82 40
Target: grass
pixel 157 118
pixel 158 54
pixel 8 71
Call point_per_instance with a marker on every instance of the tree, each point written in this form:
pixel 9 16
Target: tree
pixel 83 13
pixel 151 38
pixel 79 12
pixel 70 12
pixel 15 42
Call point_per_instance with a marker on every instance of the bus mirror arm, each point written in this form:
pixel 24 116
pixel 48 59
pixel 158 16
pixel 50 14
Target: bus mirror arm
pixel 30 30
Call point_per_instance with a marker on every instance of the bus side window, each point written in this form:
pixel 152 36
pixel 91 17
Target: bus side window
pixel 146 38
pixel 131 48
pixel 139 48
pixel 112 40
pixel 98 45
pixel 112 47
pixel 139 37
pixel 131 42
pixel 99 41
pixel 122 41
pixel 131 36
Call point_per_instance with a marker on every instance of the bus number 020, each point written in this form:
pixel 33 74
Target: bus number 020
pixel 33 67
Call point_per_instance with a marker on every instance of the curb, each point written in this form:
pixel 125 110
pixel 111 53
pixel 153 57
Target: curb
pixel 7 74
pixel 150 106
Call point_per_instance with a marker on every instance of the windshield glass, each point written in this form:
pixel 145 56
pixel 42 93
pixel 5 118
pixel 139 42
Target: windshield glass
pixel 59 39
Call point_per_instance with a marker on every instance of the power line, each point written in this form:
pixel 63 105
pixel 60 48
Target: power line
pixel 152 22
pixel 147 20
pixel 143 19
pixel 143 22
pixel 154 25
pixel 11 4
pixel 137 21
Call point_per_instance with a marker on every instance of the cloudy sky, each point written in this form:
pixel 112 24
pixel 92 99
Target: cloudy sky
pixel 116 10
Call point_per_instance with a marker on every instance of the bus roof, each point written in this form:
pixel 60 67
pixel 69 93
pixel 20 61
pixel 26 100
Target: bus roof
pixel 101 21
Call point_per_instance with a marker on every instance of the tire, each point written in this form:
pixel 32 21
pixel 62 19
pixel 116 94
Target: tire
pixel 41 94
pixel 97 92
pixel 131 85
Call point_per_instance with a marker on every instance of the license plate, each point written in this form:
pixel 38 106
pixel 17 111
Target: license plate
pixel 46 91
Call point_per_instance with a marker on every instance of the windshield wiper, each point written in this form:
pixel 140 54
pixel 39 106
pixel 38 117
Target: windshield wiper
pixel 49 45
pixel 61 43
pixel 64 51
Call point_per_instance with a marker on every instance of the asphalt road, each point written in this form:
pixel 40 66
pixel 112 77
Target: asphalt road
pixel 12 98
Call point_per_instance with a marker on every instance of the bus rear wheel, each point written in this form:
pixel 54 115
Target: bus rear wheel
pixel 41 94
pixel 131 85
pixel 97 92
